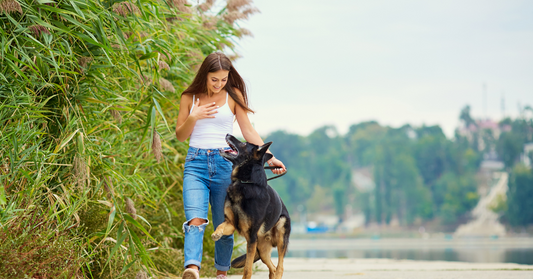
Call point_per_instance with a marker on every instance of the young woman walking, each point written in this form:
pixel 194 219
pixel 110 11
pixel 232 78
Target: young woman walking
pixel 208 108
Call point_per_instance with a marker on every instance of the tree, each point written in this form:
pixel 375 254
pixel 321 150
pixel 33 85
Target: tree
pixel 520 196
pixel 509 147
pixel 454 196
pixel 295 187
pixel 412 199
pixel 465 116
pixel 430 154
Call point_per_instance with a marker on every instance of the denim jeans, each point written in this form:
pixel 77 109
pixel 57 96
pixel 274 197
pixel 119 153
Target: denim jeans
pixel 206 177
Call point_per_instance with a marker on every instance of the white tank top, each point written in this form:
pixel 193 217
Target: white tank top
pixel 210 133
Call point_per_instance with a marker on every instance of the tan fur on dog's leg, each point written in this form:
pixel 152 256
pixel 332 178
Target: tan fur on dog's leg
pixel 226 228
pixel 279 269
pixel 265 248
pixel 250 255
pixel 222 229
pixel 282 246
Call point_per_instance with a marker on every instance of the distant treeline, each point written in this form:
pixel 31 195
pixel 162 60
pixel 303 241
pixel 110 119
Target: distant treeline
pixel 419 174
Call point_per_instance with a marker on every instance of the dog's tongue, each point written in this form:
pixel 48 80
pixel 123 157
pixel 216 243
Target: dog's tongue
pixel 230 151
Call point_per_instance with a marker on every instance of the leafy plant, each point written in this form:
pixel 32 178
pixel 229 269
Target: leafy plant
pixel 87 100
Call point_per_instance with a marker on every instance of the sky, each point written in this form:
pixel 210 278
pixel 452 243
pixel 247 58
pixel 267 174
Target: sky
pixel 340 62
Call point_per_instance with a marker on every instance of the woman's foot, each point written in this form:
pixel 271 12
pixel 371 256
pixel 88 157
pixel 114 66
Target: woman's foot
pixel 222 274
pixel 191 273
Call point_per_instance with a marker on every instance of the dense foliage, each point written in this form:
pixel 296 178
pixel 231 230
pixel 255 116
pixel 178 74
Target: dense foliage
pixel 418 174
pixel 519 206
pixel 87 105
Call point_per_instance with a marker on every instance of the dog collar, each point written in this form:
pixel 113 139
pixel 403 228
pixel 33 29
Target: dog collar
pixel 247 182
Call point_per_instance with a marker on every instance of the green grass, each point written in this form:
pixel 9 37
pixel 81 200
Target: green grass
pixel 85 86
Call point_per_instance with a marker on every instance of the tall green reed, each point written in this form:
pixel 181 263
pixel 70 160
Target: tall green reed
pixel 88 100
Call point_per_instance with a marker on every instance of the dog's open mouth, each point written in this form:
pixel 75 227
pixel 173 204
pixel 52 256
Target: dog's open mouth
pixel 233 151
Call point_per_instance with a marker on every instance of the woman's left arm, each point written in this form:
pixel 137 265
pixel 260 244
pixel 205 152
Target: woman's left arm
pixel 251 135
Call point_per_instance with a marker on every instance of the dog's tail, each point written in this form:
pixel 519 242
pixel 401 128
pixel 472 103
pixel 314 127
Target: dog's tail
pixel 239 261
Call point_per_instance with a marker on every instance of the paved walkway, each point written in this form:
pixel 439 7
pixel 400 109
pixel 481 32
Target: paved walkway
pixel 299 268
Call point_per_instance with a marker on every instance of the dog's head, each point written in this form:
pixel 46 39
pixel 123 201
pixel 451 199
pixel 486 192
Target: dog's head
pixel 245 157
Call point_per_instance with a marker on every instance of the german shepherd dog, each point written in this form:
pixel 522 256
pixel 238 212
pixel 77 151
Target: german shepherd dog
pixel 254 209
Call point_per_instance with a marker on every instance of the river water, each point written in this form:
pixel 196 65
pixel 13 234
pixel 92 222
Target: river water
pixel 504 250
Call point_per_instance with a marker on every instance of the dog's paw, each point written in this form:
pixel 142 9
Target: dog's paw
pixel 216 236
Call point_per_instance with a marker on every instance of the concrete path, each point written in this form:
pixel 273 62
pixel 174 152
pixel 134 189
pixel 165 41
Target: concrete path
pixel 299 268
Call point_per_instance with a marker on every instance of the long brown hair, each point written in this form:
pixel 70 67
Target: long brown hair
pixel 214 62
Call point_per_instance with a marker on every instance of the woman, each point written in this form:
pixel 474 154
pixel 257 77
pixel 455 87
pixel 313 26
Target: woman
pixel 208 107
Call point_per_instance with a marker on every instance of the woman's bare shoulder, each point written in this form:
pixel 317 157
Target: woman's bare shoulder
pixel 186 100
pixel 188 97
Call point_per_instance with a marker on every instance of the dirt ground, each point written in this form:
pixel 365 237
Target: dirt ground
pixel 300 268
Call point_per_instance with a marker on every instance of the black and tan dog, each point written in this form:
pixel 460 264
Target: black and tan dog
pixel 254 209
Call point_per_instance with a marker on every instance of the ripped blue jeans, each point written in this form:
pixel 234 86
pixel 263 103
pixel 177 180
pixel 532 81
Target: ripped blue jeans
pixel 206 177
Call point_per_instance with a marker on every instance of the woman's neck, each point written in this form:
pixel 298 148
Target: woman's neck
pixel 210 93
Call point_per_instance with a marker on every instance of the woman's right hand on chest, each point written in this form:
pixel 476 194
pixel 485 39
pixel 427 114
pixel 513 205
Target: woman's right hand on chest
pixel 203 111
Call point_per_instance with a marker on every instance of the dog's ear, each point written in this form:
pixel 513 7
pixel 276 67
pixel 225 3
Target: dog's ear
pixel 267 157
pixel 261 150
pixel 264 147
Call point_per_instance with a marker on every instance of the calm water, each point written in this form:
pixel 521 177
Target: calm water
pixel 509 250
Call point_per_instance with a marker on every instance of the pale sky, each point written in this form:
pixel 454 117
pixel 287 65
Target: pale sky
pixel 339 62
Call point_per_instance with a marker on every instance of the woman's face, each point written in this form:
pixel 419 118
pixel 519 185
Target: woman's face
pixel 217 80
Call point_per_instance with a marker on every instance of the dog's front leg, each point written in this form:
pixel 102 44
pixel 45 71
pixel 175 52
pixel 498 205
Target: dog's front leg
pixel 226 228
pixel 251 249
pixel 223 229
